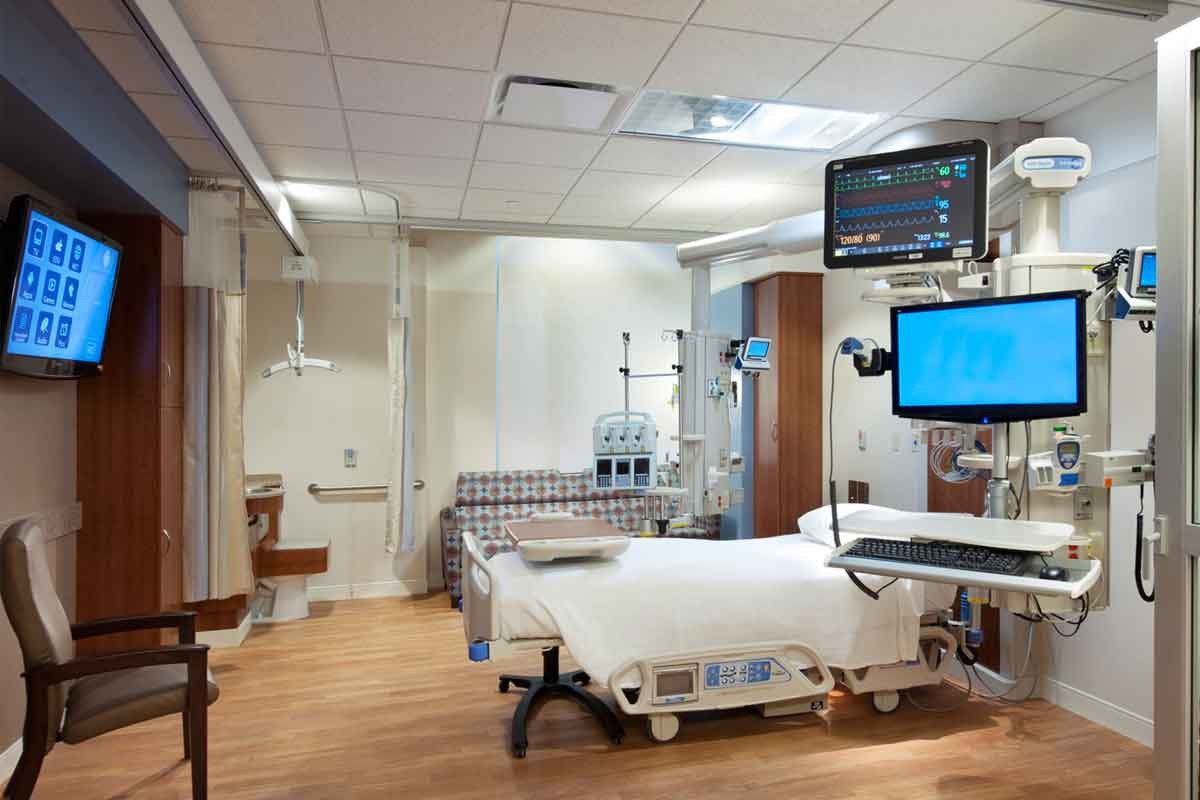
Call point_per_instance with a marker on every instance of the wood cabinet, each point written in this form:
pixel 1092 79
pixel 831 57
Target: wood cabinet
pixel 787 402
pixel 129 470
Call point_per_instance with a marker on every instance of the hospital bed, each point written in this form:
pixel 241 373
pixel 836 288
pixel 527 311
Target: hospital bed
pixel 678 625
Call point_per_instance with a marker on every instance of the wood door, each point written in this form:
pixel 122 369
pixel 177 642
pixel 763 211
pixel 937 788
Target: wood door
pixel 171 508
pixel 766 417
pixel 171 319
pixel 797 360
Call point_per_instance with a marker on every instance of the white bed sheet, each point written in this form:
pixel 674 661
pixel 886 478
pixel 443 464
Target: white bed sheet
pixel 666 596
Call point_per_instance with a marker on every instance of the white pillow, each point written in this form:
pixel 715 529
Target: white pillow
pixel 818 523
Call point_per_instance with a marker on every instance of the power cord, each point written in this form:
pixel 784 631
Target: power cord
pixel 837 535
pixel 1139 543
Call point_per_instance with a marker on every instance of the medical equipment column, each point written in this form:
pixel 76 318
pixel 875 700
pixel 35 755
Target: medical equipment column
pixel 1175 614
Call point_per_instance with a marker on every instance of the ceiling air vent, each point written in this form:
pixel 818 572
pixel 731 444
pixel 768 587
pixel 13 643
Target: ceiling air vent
pixel 552 103
pixel 1142 9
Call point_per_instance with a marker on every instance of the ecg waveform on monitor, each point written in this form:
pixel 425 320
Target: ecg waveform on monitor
pixel 888 208
pixel 880 225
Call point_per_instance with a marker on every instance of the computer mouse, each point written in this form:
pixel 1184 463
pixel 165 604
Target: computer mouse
pixel 1050 573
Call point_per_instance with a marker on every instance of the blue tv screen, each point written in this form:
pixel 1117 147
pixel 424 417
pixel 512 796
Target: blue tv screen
pixel 1001 360
pixel 63 278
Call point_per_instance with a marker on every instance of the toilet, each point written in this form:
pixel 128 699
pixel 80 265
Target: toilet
pixel 282 571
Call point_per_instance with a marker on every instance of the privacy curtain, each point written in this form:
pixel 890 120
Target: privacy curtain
pixel 399 533
pixel 216 534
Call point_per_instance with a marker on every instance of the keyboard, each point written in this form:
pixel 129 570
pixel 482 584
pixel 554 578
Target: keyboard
pixel 946 555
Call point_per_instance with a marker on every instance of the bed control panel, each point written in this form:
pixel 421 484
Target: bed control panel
pixel 738 674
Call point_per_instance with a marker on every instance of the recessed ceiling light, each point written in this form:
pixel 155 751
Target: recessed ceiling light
pixel 736 121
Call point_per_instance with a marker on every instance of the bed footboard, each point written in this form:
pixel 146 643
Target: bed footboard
pixel 481 611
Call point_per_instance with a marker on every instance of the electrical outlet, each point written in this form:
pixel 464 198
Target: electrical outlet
pixel 350 457
pixel 916 441
pixel 895 442
pixel 862 440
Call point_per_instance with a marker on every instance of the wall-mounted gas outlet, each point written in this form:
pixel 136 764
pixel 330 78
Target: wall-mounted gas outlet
pixel 350 457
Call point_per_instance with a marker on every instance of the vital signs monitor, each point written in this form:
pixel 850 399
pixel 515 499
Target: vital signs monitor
pixel 922 205
pixel 998 360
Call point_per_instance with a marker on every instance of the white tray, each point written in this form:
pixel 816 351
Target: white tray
pixel 1006 534
pixel 604 548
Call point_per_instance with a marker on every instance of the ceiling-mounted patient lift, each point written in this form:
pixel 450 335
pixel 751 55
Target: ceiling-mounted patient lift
pixel 299 269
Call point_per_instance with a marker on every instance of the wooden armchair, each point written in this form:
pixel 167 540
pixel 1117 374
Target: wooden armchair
pixel 73 698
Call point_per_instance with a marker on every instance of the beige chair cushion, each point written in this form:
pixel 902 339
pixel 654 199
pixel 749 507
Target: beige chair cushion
pixel 102 703
pixel 33 608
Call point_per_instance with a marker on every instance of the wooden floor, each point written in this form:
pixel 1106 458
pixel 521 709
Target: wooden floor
pixel 376 699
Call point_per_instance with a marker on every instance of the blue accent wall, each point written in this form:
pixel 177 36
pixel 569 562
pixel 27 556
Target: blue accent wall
pixel 733 312
pixel 69 128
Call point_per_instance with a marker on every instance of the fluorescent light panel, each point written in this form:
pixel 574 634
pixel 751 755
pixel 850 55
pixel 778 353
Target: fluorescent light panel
pixel 735 121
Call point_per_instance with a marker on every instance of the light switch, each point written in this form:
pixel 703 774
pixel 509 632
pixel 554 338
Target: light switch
pixel 862 439
pixel 350 457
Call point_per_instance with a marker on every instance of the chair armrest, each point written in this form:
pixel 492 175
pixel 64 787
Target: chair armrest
pixel 83 666
pixel 183 621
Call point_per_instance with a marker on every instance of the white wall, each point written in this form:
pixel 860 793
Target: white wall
pixel 299 426
pixel 1107 671
pixel 37 473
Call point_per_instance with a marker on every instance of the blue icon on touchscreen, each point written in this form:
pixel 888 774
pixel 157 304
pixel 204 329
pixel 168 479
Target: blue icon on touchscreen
pixel 21 324
pixel 70 292
pixel 37 239
pixel 77 247
pixel 50 290
pixel 44 327
pixel 63 337
pixel 29 281
pixel 58 248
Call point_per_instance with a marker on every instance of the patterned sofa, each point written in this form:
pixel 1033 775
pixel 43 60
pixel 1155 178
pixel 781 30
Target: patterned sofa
pixel 484 501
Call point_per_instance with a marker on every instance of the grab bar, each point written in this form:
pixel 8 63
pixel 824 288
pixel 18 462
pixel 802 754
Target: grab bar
pixel 317 489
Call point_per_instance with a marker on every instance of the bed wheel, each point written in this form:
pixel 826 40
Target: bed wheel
pixel 885 702
pixel 662 727
pixel 504 689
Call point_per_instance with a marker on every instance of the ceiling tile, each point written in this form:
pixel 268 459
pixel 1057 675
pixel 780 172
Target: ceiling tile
pixel 279 24
pixel 831 20
pixel 1076 98
pixel 420 170
pixel 505 202
pixel 413 197
pixel 705 202
pixel 594 222
pixel 1138 69
pixel 867 141
pixel 308 162
pixel 708 61
pixel 203 156
pixel 581 46
pixel 864 79
pixel 760 164
pixel 97 15
pixel 523 177
pixel 595 207
pixel 654 156
pixel 971 30
pixel 1095 44
pixel 533 146
pixel 326 199
pixel 673 10
pixel 449 33
pixel 625 189
pixel 990 93
pixel 774 201
pixel 268 123
pixel 130 63
pixel 271 76
pixel 345 230
pixel 659 220
pixel 172 115
pixel 412 89
pixel 415 136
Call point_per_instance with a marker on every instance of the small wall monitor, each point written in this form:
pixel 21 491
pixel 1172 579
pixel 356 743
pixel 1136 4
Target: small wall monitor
pixel 1143 272
pixel 59 279
pixel 999 360
pixel 922 205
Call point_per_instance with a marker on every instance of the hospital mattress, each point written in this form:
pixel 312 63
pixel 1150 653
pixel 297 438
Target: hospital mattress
pixel 667 596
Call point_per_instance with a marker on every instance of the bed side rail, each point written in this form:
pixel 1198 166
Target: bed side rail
pixel 796 671
pixel 481 611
